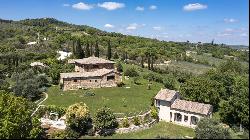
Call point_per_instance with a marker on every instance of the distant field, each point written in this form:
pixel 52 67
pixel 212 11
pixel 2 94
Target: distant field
pixel 187 67
pixel 162 129
pixel 136 98
pixel 211 60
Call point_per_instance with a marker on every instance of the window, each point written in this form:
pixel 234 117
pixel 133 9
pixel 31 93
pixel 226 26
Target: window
pixel 95 80
pixel 110 77
pixel 185 118
pixel 75 80
pixel 95 66
pixel 178 117
pixel 171 116
pixel 157 102
pixel 89 80
pixel 194 120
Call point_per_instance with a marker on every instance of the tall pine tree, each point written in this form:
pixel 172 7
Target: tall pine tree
pixel 109 50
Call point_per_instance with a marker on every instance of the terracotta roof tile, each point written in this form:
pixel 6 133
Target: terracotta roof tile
pixel 90 60
pixel 99 72
pixel 190 106
pixel 165 94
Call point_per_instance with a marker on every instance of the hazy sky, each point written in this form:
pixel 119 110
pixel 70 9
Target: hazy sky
pixel 225 21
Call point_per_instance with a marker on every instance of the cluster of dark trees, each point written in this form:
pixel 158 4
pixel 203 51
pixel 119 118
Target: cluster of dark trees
pixel 226 88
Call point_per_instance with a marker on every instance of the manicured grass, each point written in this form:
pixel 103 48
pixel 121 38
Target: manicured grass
pixel 136 98
pixel 162 129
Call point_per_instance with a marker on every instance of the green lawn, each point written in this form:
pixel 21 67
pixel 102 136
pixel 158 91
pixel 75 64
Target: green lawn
pixel 136 98
pixel 162 129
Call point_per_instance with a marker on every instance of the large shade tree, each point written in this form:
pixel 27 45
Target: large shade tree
pixel 202 89
pixel 15 118
pixel 211 129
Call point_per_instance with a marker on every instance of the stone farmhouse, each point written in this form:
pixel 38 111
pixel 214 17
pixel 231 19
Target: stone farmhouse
pixel 186 113
pixel 91 72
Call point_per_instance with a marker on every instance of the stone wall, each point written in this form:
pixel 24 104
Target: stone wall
pixel 88 82
pixel 130 118
pixel 134 128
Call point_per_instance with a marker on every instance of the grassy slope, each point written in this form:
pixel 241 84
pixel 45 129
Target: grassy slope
pixel 162 129
pixel 137 97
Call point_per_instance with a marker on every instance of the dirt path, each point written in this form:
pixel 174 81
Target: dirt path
pixel 46 96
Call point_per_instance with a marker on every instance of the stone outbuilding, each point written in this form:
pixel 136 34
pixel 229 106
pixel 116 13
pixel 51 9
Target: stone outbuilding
pixel 91 72
pixel 172 109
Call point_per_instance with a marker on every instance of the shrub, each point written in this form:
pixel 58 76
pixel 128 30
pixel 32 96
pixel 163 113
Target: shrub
pixel 131 72
pixel 211 129
pixel 91 132
pixel 150 76
pixel 78 117
pixel 71 134
pixel 105 119
pixel 125 122
pixel 124 102
pixel 149 86
pixel 89 93
pixel 119 67
pixel 120 84
pixel 50 108
pixel 146 118
pixel 170 82
pixel 135 80
pixel 162 137
pixel 136 120
pixel 154 112
pixel 58 134
pixel 4 85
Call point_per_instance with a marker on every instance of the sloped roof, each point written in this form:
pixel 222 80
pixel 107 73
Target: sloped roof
pixel 165 94
pixel 190 106
pixel 90 60
pixel 99 72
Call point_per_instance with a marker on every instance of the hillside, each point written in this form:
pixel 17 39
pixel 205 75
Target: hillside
pixel 208 73
pixel 52 35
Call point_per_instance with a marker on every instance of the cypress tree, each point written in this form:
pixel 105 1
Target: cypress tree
pixel 109 51
pixel 79 53
pixel 91 49
pixel 96 49
pixel 87 50
pixel 73 47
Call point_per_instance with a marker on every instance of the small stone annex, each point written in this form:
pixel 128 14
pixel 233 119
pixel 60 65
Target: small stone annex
pixel 91 72
pixel 172 109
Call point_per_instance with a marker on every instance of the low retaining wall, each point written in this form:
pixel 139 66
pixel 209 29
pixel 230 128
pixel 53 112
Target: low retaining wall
pixel 132 127
pixel 130 118
pixel 135 128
